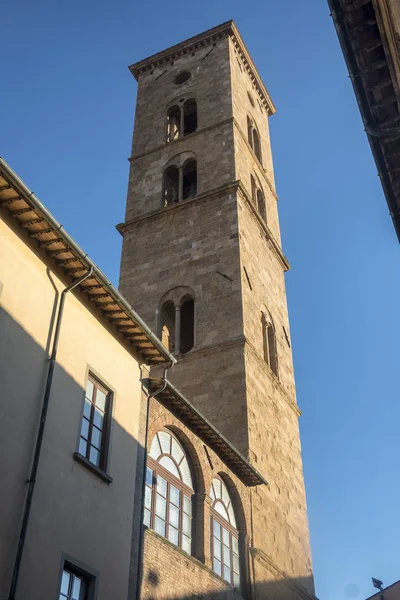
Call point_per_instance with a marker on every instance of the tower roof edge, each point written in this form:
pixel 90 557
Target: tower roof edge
pixel 211 35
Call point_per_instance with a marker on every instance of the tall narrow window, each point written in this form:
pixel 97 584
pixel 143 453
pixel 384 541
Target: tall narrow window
pixel 169 491
pixel 74 586
pixel 171 185
pixel 95 426
pixel 173 123
pixel 257 197
pixel 250 132
pixel 224 534
pixel 261 205
pixel 254 138
pixel 269 343
pixel 257 144
pixel 190 179
pixel 168 325
pixel 190 117
pixel 253 190
pixel 187 325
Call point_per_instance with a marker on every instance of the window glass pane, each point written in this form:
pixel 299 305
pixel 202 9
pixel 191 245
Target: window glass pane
pixel 217 566
pixel 224 495
pixel 149 476
pixel 85 428
pixel 94 456
pixel 176 451
pixel 161 506
pixel 186 475
pixel 165 441
pixel 217 530
pixel 173 535
pixel 147 497
pixel 232 519
pixel 82 447
pixel 225 536
pixel 235 563
pixel 217 549
pixel 159 526
pixel 227 574
pixel 235 545
pixel 155 449
pixel 227 556
pixel 217 487
pixel 187 505
pixel 220 508
pixel 146 519
pixel 87 408
pixel 101 400
pixel 98 418
pixel 236 579
pixel 161 485
pixel 96 437
pixel 76 588
pixel 65 582
pixel 89 389
pixel 174 515
pixel 212 495
pixel 187 524
pixel 174 495
pixel 169 464
pixel 186 544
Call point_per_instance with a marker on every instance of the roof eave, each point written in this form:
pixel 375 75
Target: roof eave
pixel 26 195
pixel 365 111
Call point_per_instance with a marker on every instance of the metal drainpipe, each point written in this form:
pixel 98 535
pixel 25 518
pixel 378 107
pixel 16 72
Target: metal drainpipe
pixel 32 479
pixel 141 530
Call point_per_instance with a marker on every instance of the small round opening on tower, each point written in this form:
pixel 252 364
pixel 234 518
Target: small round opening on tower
pixel 182 77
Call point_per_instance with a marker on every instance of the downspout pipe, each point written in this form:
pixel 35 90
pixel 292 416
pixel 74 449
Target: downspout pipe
pixel 34 200
pixel 139 575
pixel 39 439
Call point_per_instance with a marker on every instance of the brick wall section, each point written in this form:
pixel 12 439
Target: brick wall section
pixel 170 573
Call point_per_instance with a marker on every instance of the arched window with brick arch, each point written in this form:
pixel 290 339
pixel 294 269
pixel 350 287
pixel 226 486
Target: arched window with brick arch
pixel 224 534
pixel 169 491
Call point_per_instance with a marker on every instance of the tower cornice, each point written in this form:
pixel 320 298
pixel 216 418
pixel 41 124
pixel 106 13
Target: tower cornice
pixel 201 41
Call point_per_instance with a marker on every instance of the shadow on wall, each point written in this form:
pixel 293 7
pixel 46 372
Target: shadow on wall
pixel 280 589
pixel 73 510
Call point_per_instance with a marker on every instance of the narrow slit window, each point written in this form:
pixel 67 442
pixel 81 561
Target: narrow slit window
pixel 269 343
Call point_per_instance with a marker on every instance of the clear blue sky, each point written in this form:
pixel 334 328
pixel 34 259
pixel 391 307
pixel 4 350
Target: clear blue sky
pixel 67 108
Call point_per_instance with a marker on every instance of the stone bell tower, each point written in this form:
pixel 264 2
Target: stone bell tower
pixel 202 263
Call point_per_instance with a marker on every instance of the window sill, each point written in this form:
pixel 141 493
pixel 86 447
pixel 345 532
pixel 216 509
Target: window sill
pixel 86 463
